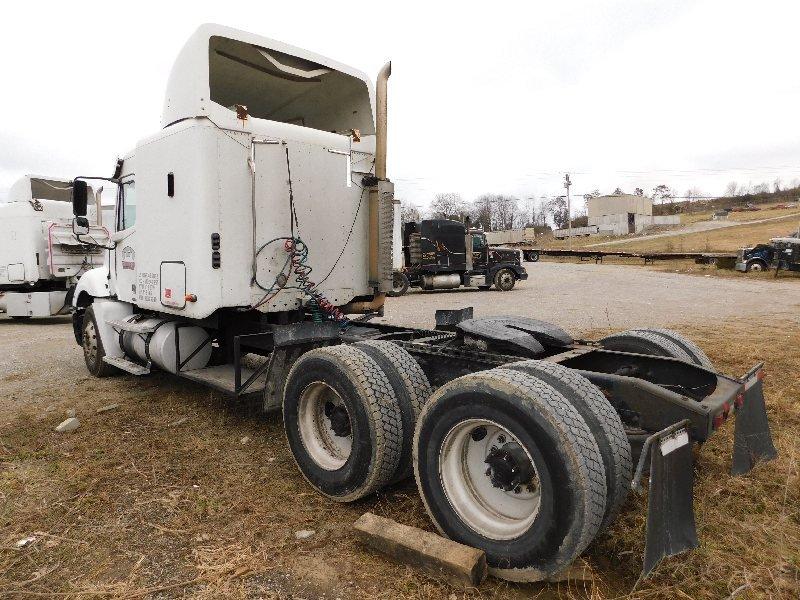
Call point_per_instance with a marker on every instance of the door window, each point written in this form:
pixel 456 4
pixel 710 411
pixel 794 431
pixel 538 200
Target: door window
pixel 127 215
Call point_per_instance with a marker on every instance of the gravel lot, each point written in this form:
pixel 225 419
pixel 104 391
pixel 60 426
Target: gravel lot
pixel 580 297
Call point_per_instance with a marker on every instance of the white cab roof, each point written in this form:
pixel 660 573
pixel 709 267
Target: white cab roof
pixel 188 88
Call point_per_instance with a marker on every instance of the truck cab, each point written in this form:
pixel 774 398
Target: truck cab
pixel 40 255
pixel 757 258
pixel 787 253
pixel 444 254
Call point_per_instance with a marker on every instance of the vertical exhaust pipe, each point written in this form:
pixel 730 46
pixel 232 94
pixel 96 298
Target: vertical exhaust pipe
pixel 381 120
pixel 381 125
pixel 98 205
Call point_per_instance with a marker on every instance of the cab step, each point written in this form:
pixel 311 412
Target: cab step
pixel 223 378
pixel 126 365
pixel 133 327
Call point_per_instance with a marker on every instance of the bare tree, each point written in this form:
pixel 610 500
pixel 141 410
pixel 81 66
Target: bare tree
pixel 506 212
pixel 638 192
pixel 618 191
pixel 776 185
pixel 448 205
pixel 761 188
pixel 731 188
pixel 480 212
pixel 557 209
pixel 409 213
pixel 529 211
pixel 662 192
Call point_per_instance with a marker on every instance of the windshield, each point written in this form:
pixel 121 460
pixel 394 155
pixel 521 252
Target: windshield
pixel 279 87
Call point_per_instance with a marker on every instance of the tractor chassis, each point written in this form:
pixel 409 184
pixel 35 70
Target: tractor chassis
pixel 665 404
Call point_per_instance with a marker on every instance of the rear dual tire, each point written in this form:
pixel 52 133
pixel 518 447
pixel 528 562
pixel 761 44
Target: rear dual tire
pixel 411 389
pixel 349 414
pixel 602 420
pixel 506 464
pixel 658 342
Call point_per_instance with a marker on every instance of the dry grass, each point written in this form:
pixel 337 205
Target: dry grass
pixel 725 239
pixel 133 505
pixel 766 212
pixel 718 240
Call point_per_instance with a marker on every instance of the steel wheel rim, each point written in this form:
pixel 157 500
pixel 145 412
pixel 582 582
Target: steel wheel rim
pixel 506 279
pixel 492 512
pixel 90 343
pixel 327 449
pixel 755 267
pixel 397 283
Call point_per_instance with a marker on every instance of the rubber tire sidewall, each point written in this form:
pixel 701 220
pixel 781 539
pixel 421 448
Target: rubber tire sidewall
pixel 100 368
pixel 344 483
pixel 617 461
pixel 536 435
pixel 632 341
pixel 403 290
pixel 497 280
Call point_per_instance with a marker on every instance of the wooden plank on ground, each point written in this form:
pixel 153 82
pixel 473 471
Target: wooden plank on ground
pixel 437 556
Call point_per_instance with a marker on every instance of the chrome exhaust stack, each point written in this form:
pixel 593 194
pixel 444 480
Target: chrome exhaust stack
pixel 377 233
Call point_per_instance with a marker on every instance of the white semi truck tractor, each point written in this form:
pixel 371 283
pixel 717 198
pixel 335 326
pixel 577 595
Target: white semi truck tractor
pixel 40 256
pixel 259 223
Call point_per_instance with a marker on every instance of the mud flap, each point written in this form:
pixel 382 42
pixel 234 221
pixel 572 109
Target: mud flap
pixel 670 513
pixel 752 440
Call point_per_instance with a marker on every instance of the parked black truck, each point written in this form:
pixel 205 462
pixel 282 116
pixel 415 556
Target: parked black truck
pixel 436 257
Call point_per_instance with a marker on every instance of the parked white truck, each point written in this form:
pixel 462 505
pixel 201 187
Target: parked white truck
pixel 259 220
pixel 40 257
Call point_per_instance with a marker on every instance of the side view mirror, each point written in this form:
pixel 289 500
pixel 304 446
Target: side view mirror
pixel 80 225
pixel 80 193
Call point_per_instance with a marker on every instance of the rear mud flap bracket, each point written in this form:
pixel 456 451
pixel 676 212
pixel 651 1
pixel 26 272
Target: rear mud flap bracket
pixel 752 440
pixel 670 514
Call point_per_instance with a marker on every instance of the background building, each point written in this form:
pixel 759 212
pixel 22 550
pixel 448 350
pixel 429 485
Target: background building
pixel 624 214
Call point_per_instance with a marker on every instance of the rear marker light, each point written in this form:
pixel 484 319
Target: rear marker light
pixel 726 409
pixel 739 402
pixel 717 421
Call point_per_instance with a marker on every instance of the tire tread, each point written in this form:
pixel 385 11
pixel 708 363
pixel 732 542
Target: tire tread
pixel 381 404
pixel 415 392
pixel 693 350
pixel 602 419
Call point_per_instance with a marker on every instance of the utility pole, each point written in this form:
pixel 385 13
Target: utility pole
pixel 568 183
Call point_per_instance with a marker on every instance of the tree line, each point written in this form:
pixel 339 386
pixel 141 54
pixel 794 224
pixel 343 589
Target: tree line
pixel 495 212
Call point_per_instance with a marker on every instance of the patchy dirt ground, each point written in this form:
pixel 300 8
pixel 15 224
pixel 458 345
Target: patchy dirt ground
pixel 180 493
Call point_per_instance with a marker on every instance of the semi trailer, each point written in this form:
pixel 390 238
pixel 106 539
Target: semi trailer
pixel 40 256
pixel 258 222
pixel 442 254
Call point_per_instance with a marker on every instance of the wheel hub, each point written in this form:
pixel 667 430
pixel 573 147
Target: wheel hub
pixel 509 467
pixel 340 421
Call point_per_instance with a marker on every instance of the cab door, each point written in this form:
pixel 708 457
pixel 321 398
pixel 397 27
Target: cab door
pixel 480 253
pixel 125 239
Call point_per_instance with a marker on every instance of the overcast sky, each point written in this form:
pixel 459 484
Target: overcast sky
pixel 504 98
